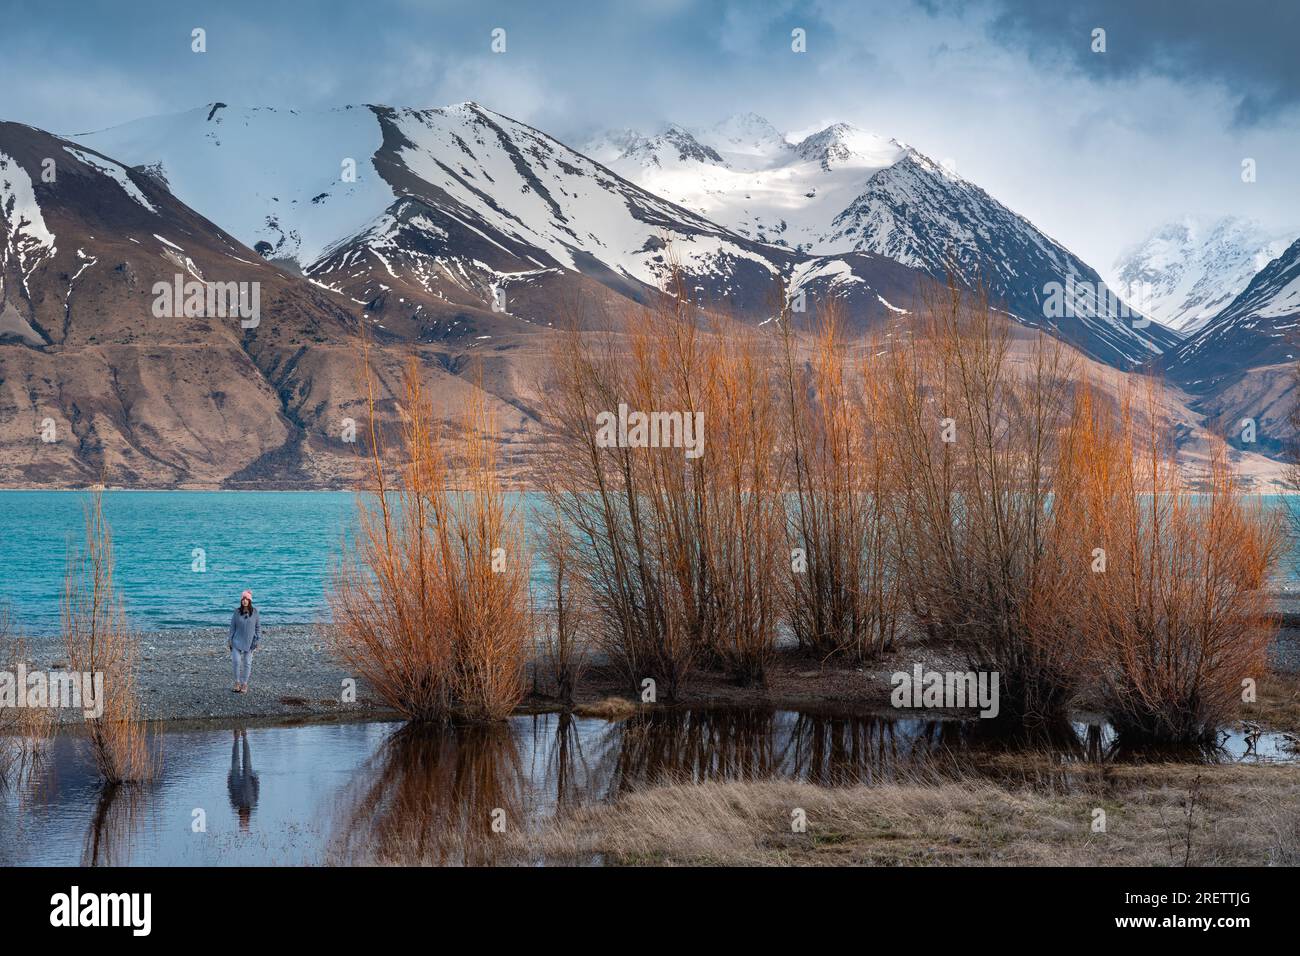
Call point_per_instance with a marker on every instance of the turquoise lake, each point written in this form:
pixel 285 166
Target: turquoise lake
pixel 281 544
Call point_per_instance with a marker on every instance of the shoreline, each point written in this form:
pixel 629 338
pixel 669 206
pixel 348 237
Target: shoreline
pixel 184 683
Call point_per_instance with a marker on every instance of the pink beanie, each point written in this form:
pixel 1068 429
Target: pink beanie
pixel 246 594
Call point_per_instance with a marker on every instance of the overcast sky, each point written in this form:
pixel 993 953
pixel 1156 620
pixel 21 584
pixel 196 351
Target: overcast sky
pixel 1095 148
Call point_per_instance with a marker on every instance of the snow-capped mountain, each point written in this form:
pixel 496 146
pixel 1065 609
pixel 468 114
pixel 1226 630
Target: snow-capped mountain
pixel 746 175
pixel 412 213
pixel 1240 367
pixel 843 189
pixel 1190 270
pixel 452 231
pixel 160 393
pixel 277 179
pixel 1258 328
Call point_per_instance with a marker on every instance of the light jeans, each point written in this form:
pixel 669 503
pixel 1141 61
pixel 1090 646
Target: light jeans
pixel 242 661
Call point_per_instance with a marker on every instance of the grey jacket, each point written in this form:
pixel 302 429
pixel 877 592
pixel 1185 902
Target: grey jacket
pixel 245 632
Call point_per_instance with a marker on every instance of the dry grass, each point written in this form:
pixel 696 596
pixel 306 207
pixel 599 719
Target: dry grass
pixel 610 708
pixel 99 641
pixel 23 730
pixel 432 609
pixel 1244 816
pixel 1278 704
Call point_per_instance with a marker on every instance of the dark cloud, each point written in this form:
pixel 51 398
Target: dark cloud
pixel 1247 47
pixel 1007 89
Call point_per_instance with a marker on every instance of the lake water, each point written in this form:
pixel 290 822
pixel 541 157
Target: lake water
pixel 282 545
pixel 373 792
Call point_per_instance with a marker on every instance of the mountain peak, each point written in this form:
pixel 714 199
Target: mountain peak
pixel 842 144
pixel 746 133
pixel 1192 267
pixel 674 144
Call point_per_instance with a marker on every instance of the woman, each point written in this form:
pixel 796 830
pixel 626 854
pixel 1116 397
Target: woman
pixel 245 635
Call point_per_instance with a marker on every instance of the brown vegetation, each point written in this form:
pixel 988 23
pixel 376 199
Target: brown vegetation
pixel 23 730
pixel 564 650
pixel 843 595
pixel 975 447
pixel 950 480
pixel 677 554
pixel 1242 816
pixel 1173 614
pixel 952 484
pixel 432 607
pixel 98 640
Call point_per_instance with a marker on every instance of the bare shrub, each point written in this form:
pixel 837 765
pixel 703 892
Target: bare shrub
pixel 432 607
pixel 975 446
pixel 23 730
pixel 1178 619
pixel 743 519
pixel 99 641
pixel 844 596
pixel 676 554
pixel 565 647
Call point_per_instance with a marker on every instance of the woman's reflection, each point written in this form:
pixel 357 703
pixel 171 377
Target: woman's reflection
pixel 242 781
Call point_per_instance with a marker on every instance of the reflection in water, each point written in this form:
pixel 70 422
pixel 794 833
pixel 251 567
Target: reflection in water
pixel 564 772
pixel 434 796
pixel 113 825
pixel 357 793
pixel 754 744
pixel 242 782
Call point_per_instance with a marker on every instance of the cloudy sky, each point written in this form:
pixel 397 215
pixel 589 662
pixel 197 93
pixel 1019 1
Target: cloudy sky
pixel 1096 148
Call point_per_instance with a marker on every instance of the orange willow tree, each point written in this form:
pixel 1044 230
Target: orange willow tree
pixel 431 607
pixel 843 595
pixel 1173 614
pixel 677 547
pixel 975 447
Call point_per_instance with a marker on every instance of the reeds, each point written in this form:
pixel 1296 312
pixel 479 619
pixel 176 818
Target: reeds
pixel 98 641
pixel 432 608
pixel 23 730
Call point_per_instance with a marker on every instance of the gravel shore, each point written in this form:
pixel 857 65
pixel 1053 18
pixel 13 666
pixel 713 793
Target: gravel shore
pixel 185 674
pixel 185 677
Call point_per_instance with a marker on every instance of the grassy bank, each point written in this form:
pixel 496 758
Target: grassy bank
pixel 1156 815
